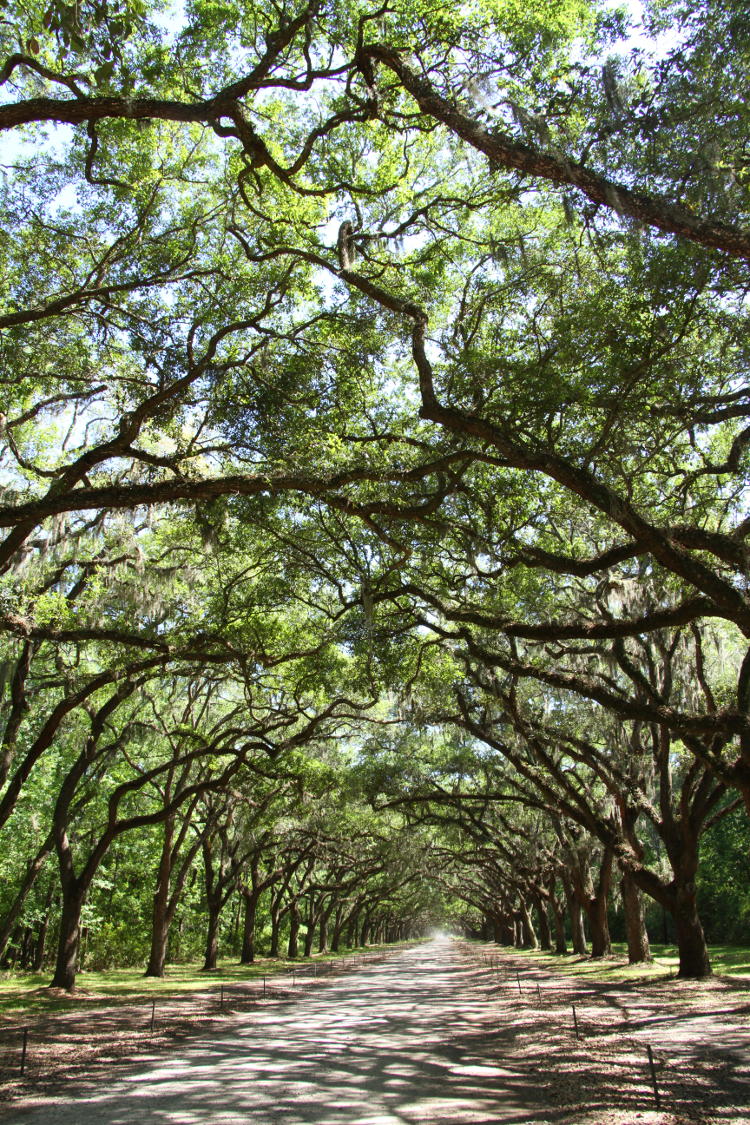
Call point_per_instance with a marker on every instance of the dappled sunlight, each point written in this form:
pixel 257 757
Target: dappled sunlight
pixel 408 1040
pixel 441 1034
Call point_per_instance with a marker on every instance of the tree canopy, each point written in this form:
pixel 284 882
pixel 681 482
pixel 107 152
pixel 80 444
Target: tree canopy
pixel 374 433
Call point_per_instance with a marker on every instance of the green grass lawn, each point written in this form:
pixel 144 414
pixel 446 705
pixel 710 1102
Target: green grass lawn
pixel 726 960
pixel 26 993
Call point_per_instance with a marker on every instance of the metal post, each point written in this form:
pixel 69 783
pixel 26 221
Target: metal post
pixel 221 998
pixel 518 978
pixel 23 1049
pixel 264 988
pixel 575 1022
pixel 657 1099
pixel 153 1015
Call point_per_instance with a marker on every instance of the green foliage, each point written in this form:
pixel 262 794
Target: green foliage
pixel 374 454
pixel 723 891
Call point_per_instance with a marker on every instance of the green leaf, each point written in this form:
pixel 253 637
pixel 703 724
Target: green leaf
pixel 103 73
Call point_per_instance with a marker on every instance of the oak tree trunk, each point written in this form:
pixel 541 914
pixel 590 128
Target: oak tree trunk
pixel 323 931
pixel 601 945
pixel 639 949
pixel 161 920
pixel 212 936
pixel 293 947
pixel 691 941
pixel 558 918
pixel 545 934
pixel 337 926
pixel 529 939
pixel 252 898
pixel 69 939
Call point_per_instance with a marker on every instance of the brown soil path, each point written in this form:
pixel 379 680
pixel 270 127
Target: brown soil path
pixel 429 1035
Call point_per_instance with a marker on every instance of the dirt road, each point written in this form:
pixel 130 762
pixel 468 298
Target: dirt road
pixel 426 1036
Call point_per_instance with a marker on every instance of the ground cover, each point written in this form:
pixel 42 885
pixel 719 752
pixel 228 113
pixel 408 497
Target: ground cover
pixel 698 1031
pixel 28 993
pixel 450 1033
pixel 115 1016
pixel 726 960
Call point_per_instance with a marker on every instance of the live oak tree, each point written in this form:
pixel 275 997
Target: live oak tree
pixel 160 759
pixel 327 324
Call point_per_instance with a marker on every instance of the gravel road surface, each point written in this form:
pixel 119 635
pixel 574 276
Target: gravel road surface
pixel 406 1040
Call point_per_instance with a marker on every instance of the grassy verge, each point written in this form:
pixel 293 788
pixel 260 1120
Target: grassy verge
pixel 726 960
pixel 26 993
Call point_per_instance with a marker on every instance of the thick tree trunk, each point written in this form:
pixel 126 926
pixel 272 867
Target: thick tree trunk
pixel 679 898
pixel 212 936
pixel 507 930
pixel 69 940
pixel 529 939
pixel 558 918
pixel 639 949
pixel 160 920
pixel 545 934
pixel 293 947
pixel 12 947
pixel 323 930
pixel 352 930
pixel 157 957
pixel 594 902
pixel 337 927
pixel 252 898
pixel 601 945
pixel 691 941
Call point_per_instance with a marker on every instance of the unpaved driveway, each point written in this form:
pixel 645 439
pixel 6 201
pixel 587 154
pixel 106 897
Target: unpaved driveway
pixel 427 1035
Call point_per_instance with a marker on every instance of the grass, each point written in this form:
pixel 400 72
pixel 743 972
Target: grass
pixel 726 961
pixel 26 993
